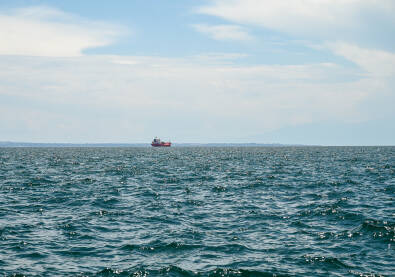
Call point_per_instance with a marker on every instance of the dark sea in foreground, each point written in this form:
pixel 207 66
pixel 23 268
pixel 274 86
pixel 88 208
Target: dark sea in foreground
pixel 197 211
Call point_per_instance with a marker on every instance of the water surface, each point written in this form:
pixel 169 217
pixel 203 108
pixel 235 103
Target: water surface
pixel 286 211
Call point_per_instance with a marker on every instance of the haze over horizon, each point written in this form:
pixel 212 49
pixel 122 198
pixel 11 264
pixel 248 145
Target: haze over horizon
pixel 231 71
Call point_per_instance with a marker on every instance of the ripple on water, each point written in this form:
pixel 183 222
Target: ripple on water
pixel 172 270
pixel 287 211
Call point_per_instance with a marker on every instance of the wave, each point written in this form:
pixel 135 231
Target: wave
pixel 176 271
pixel 378 229
pixel 374 229
pixel 158 246
pixel 330 262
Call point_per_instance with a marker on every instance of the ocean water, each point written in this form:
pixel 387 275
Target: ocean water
pixel 286 211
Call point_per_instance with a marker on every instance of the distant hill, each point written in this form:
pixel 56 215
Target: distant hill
pixel 32 144
pixel 229 144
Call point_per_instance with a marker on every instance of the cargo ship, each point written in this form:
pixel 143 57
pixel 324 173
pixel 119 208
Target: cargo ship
pixel 158 143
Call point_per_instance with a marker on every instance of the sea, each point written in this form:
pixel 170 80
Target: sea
pixel 197 211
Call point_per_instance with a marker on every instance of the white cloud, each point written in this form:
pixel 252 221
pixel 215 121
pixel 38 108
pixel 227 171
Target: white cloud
pixel 376 63
pixel 353 29
pixel 117 98
pixel 43 31
pixel 325 19
pixel 223 32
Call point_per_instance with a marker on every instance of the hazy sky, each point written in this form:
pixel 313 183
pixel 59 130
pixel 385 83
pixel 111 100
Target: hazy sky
pixel 286 71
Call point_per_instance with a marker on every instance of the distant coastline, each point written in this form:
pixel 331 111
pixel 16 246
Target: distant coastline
pixel 38 144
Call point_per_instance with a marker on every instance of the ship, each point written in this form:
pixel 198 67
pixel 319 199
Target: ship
pixel 156 142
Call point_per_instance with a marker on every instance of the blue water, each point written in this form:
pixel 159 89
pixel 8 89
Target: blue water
pixel 287 211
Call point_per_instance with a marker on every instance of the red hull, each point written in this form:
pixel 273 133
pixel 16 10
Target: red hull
pixel 162 144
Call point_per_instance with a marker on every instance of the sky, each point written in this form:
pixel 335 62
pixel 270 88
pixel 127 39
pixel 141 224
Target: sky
pixel 318 72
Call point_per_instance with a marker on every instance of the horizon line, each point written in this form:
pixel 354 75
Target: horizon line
pixel 125 144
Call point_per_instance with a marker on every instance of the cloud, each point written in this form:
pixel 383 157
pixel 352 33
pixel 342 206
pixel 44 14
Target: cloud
pixel 118 98
pixel 44 31
pixel 323 19
pixel 376 63
pixel 360 31
pixel 223 32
